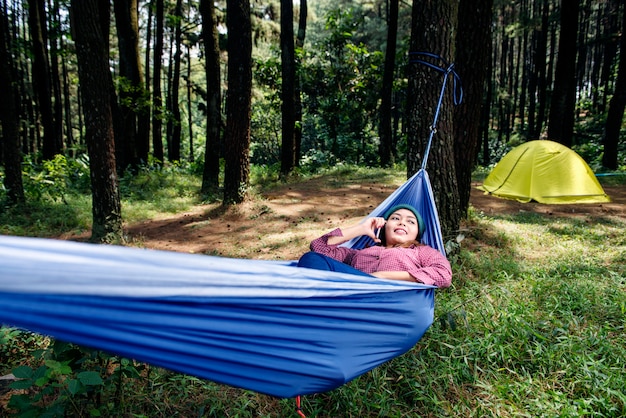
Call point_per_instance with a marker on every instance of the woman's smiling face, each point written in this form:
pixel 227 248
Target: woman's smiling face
pixel 401 227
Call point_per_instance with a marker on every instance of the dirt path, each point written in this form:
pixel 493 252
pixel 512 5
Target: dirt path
pixel 281 224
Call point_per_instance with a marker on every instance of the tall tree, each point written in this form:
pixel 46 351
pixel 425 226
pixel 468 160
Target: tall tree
pixel 288 90
pixel 174 129
pixel 157 98
pixel 210 175
pixel 134 145
pixel 238 101
pixel 385 148
pixel 538 83
pixel 52 144
pixel 9 118
pixel 610 28
pixel 617 104
pixel 562 106
pixel 472 64
pixel 298 93
pixel 90 23
pixel 422 99
pixel 55 37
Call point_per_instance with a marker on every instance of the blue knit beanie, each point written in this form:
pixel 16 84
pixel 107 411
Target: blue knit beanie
pixel 420 222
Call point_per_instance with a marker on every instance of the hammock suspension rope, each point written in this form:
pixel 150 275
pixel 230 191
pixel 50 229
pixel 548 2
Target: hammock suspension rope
pixel 446 69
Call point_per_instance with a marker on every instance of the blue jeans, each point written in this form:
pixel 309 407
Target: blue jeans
pixel 318 261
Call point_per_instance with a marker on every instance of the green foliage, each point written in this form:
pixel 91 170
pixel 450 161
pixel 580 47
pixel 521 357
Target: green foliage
pixel 338 77
pixel 156 189
pixel 16 347
pixel 265 131
pixel 70 380
pixel 57 198
pixel 54 179
pixel 266 122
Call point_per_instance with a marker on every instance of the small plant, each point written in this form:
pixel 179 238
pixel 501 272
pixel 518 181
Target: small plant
pixel 66 379
pixel 54 179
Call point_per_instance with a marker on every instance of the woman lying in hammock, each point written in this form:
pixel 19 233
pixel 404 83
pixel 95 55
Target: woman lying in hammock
pixel 399 254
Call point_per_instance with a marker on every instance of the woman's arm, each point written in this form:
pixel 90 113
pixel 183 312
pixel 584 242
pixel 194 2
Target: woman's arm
pixel 394 275
pixel 421 264
pixel 367 227
pixel 432 268
pixel 328 244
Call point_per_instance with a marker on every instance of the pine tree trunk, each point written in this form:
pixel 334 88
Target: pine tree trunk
pixel 238 101
pixel 133 150
pixel 617 104
pixel 9 118
pixel 472 64
pixel 55 79
pixel 174 122
pixel 89 18
pixel 157 98
pixel 41 77
pixel 385 132
pixel 288 91
pixel 298 93
pixel 210 175
pixel 188 83
pixel 610 23
pixel 537 83
pixel 563 103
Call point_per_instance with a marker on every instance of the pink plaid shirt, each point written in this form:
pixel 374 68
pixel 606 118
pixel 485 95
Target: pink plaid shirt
pixel 425 264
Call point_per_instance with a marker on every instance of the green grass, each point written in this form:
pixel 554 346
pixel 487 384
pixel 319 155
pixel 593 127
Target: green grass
pixel 52 211
pixel 533 326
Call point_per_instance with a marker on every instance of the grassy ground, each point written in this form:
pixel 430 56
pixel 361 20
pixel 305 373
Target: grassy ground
pixel 533 326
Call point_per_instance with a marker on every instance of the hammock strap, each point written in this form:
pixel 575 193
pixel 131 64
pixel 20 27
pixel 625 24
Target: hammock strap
pixel 446 69
pixel 299 408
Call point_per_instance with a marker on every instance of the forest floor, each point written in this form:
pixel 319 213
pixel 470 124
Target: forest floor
pixel 281 223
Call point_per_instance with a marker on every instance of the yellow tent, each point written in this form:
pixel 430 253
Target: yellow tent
pixel 544 171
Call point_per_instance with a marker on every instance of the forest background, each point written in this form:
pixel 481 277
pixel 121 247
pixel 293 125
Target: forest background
pixel 533 324
pixel 152 83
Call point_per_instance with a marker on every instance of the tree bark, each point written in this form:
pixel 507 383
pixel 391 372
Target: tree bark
pixel 157 98
pixel 41 77
pixel 210 175
pixel 299 44
pixel 617 104
pixel 562 106
pixel 432 30
pixel 174 122
pixel 134 145
pixel 9 118
pixel 540 68
pixel 610 23
pixel 472 64
pixel 89 20
pixel 238 101
pixel 55 79
pixel 385 148
pixel 288 91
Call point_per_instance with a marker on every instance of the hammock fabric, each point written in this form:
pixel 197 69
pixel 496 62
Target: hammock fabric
pixel 266 326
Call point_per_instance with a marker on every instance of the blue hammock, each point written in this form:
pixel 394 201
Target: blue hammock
pixel 266 326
